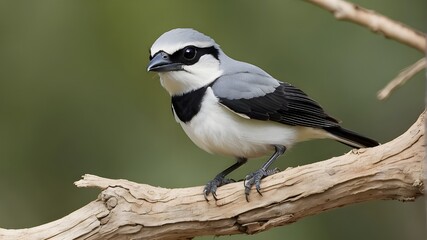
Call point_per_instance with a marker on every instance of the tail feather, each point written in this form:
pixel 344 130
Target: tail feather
pixel 351 138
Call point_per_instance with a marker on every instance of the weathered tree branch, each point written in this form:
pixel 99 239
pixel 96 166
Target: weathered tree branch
pixel 126 210
pixel 376 22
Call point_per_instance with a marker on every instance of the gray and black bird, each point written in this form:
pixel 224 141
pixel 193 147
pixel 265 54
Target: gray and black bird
pixel 236 109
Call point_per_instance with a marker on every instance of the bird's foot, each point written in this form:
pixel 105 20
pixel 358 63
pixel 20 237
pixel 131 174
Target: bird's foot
pixel 213 185
pixel 255 179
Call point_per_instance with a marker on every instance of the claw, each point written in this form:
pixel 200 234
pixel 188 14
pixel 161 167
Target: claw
pixel 213 185
pixel 258 188
pixel 255 179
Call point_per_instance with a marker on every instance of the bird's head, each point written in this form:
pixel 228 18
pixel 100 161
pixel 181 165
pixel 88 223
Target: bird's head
pixel 185 60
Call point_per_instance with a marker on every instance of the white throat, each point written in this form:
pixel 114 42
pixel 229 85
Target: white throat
pixel 192 77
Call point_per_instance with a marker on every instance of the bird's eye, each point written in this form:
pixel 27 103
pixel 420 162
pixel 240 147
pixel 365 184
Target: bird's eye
pixel 190 53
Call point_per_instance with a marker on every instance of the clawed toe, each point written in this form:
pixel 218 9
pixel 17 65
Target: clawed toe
pixel 213 185
pixel 255 179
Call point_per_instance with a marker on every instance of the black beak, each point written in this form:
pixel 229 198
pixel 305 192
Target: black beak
pixel 161 62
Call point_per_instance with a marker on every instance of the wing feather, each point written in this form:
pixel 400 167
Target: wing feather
pixel 281 102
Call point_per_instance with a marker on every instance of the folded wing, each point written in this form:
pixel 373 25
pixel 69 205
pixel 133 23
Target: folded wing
pixel 264 98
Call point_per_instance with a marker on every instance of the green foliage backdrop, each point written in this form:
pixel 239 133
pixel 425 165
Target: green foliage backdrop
pixel 75 98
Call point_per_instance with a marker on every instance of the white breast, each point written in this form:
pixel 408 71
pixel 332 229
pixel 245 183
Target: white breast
pixel 218 130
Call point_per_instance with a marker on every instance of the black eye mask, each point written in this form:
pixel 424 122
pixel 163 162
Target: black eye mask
pixel 191 54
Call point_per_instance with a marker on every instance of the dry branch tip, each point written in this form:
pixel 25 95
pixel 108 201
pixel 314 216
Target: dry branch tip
pixel 402 78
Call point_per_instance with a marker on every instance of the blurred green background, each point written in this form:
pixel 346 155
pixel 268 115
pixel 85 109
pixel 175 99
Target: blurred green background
pixel 75 98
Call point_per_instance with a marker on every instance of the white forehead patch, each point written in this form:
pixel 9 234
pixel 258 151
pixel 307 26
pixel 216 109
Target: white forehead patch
pixel 179 38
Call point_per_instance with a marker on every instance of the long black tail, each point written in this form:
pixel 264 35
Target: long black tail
pixel 351 138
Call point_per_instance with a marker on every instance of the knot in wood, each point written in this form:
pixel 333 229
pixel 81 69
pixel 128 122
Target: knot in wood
pixel 109 200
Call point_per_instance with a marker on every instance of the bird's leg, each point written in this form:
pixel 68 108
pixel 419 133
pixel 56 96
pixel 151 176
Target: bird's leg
pixel 255 177
pixel 220 179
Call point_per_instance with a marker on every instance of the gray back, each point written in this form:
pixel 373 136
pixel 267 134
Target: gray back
pixel 242 80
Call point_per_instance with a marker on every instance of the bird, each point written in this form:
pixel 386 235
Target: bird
pixel 235 109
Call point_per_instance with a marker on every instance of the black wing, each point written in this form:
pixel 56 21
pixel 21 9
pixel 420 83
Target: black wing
pixel 287 105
